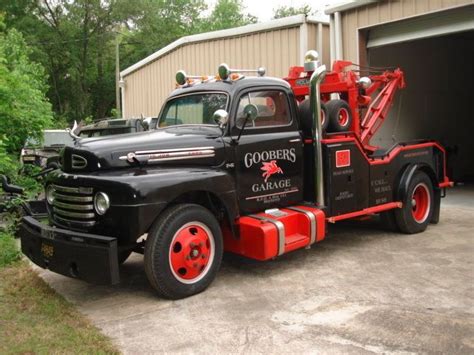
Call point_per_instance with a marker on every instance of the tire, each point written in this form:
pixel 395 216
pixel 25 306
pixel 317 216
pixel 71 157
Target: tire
pixel 307 118
pixel 340 116
pixel 418 205
pixel 183 251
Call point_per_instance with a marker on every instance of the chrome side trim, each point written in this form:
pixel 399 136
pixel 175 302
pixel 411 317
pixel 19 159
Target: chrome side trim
pixel 73 198
pixel 73 214
pixel 154 156
pixel 172 150
pixel 69 222
pixel 73 207
pixel 280 228
pixel 194 154
pixel 77 190
pixel 312 221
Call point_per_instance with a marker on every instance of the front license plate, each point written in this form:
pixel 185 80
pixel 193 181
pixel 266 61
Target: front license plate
pixel 48 234
pixel 47 250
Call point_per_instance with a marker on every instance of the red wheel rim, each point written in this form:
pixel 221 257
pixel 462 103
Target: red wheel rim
pixel 421 202
pixel 343 117
pixel 323 117
pixel 191 252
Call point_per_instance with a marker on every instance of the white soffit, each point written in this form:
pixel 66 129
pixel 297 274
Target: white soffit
pixel 432 25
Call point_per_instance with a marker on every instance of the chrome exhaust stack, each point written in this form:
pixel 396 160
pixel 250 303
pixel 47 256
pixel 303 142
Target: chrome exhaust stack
pixel 315 105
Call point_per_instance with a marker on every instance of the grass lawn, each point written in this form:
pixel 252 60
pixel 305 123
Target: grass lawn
pixel 34 318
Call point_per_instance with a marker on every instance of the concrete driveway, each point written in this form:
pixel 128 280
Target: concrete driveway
pixel 363 290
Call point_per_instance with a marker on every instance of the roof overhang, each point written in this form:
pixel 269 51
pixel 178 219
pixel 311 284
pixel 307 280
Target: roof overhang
pixel 231 32
pixel 348 5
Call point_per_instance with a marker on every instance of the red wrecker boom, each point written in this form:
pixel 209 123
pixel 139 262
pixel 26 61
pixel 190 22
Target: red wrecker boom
pixel 357 92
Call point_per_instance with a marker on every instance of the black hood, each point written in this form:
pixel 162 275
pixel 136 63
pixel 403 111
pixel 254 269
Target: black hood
pixel 197 145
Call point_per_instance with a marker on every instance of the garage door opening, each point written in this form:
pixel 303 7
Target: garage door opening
pixel 439 98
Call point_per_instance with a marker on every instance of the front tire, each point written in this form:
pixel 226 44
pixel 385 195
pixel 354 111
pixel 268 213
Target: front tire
pixel 183 251
pixel 418 203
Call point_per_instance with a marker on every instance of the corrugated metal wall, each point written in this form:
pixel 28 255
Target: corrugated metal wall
pixel 276 50
pixel 385 11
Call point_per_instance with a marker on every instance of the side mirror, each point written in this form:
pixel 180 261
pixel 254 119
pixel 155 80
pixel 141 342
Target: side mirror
pixel 220 117
pixel 251 112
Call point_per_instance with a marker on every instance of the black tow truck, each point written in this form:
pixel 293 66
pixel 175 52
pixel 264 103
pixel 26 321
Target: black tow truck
pixel 236 165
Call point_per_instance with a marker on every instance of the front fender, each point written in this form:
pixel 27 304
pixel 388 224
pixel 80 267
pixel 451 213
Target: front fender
pixel 139 195
pixel 163 187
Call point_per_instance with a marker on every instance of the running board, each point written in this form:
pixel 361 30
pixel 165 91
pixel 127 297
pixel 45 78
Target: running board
pixel 268 234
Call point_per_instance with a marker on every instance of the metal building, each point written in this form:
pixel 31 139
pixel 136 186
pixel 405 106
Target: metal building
pixel 275 45
pixel 433 42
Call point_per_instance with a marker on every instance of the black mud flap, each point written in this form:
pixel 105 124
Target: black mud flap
pixel 89 257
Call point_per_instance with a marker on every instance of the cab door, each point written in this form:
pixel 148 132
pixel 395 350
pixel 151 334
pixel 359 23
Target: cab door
pixel 269 154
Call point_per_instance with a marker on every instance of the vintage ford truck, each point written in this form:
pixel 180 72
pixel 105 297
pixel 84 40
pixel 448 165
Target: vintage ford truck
pixel 244 164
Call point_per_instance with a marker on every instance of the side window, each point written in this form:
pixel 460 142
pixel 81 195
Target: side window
pixel 272 108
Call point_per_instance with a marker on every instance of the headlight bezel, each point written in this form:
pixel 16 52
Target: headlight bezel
pixel 105 198
pixel 49 194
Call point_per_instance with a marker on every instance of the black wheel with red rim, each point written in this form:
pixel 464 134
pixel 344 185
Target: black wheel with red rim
pixel 183 251
pixel 339 116
pixel 418 202
pixel 306 117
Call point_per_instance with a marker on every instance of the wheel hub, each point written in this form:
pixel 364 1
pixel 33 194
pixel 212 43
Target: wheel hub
pixel 191 251
pixel 421 203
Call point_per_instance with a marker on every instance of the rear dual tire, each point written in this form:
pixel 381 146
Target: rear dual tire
pixel 183 251
pixel 418 205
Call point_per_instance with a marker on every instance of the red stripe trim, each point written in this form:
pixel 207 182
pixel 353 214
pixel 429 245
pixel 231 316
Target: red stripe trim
pixel 365 211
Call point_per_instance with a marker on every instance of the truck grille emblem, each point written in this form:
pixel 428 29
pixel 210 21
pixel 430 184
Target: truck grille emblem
pixel 78 162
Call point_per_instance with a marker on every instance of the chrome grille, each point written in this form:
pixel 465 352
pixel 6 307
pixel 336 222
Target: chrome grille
pixel 73 206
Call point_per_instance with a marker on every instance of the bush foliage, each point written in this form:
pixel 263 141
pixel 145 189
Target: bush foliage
pixel 24 108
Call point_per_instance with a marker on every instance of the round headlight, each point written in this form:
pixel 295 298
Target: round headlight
pixel 50 194
pixel 101 203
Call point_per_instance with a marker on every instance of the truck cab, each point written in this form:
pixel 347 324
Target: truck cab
pixel 236 164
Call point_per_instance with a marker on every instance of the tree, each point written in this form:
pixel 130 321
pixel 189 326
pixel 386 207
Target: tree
pixel 24 109
pixel 286 11
pixel 227 14
pixel 75 41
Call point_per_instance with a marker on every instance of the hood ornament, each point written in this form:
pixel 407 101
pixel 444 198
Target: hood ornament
pixel 72 132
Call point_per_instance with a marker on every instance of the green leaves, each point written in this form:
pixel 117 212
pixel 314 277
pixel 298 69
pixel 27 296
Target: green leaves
pixel 75 42
pixel 24 109
pixel 286 11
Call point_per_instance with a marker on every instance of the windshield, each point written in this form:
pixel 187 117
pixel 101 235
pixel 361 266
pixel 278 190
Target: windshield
pixel 51 138
pixel 192 109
